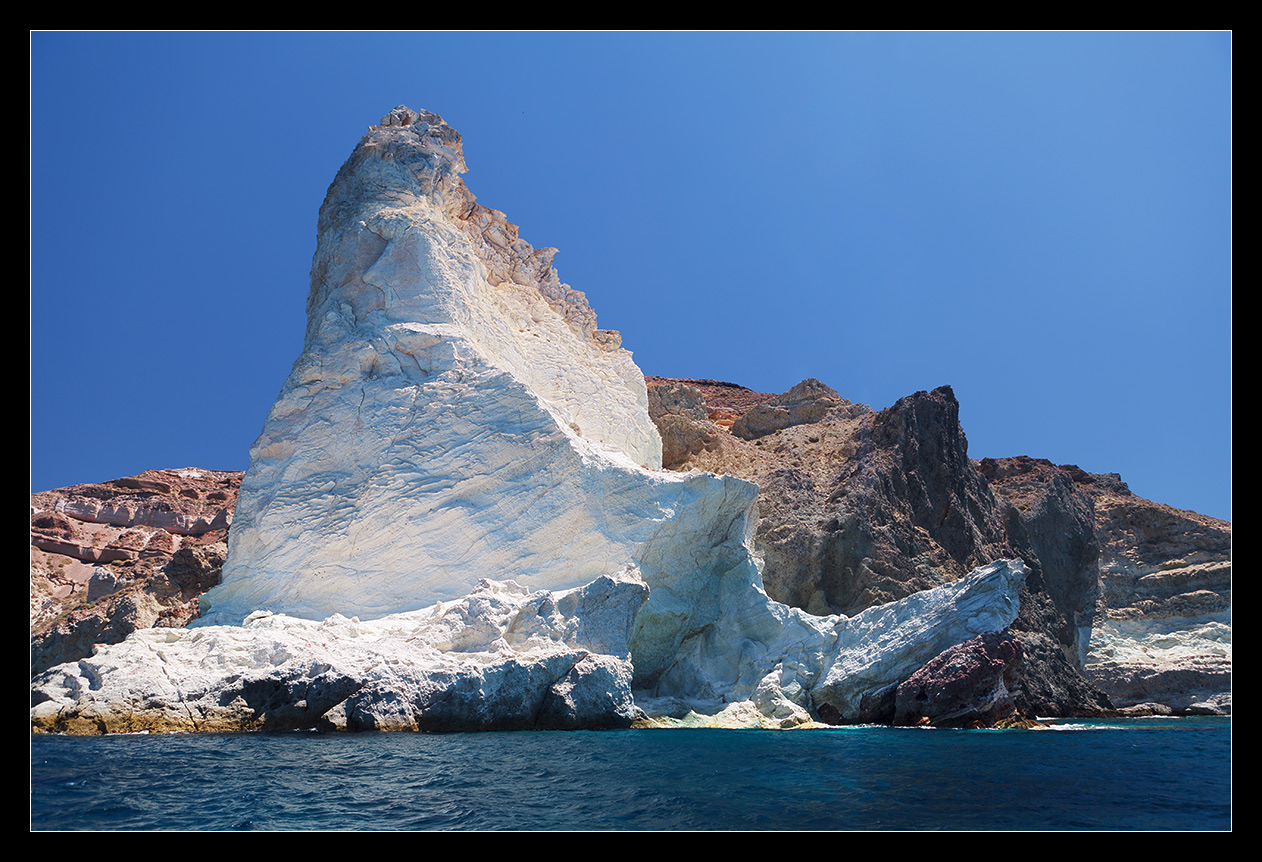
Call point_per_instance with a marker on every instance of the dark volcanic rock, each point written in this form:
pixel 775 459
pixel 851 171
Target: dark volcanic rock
pixel 860 508
pixel 909 511
pixel 1056 529
pixel 965 686
pixel 1051 523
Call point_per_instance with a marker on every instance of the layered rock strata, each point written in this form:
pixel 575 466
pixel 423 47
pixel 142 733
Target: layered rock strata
pixel 1164 635
pixel 1150 592
pixel 110 558
pixel 458 427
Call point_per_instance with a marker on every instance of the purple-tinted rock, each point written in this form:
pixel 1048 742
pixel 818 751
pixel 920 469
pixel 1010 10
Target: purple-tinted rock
pixel 965 685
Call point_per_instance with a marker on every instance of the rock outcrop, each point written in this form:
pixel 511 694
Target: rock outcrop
pixel 1126 599
pixel 1145 588
pixel 110 558
pixel 1164 635
pixel 859 508
pixel 967 685
pixel 457 429
pixel 808 402
pixel 502 658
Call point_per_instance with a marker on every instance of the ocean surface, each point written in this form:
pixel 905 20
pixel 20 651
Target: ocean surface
pixel 1131 774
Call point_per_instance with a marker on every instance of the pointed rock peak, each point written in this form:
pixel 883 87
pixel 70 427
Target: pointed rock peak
pixel 410 154
pixel 402 115
pixel 808 389
pixel 422 124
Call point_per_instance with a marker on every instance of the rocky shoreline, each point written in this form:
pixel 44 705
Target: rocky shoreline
pixel 469 510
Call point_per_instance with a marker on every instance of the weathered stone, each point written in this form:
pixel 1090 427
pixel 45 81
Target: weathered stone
pixel 808 402
pixel 456 412
pixel 1163 631
pixel 858 510
pixel 502 658
pixel 966 685
pixel 93 583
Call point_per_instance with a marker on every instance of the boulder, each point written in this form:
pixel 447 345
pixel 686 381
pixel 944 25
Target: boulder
pixel 968 685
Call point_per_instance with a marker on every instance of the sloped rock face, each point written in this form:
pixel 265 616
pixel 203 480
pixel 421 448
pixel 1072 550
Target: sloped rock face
pixel 912 511
pixel 455 415
pixel 110 558
pixel 1142 590
pixel 454 402
pixel 1051 523
pixel 859 508
pixel 856 508
pixel 1055 520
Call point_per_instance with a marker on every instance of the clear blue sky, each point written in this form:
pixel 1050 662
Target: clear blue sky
pixel 1041 220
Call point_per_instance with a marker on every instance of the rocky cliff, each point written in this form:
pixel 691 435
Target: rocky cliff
pixel 456 518
pixel 134 553
pixel 860 507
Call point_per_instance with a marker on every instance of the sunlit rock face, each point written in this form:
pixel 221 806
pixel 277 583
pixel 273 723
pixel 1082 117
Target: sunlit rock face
pixel 454 415
pixel 458 437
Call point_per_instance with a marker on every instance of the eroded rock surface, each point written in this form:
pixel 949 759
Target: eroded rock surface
pixel 1165 632
pixel 110 558
pixel 967 685
pixel 456 416
pixel 858 508
pixel 502 658
pixel 1125 596
pixel 507 658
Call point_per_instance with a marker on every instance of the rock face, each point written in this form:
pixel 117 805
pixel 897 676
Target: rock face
pixel 1164 635
pixel 506 658
pixel 964 686
pixel 454 415
pixel 859 508
pixel 501 658
pixel 808 402
pixel 1146 588
pixel 110 558
pixel 458 431
pixel 1126 599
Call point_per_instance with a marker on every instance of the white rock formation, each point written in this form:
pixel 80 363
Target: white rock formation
pixel 502 658
pixel 455 416
pixel 1182 662
pixel 506 658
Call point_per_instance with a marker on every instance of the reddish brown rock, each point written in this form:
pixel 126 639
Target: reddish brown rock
pixel 679 411
pixel 110 558
pixel 968 685
pixel 808 402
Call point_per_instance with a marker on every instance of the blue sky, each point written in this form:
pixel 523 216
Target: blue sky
pixel 1041 220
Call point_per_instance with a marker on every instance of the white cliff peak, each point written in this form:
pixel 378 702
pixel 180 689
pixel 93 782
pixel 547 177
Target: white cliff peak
pixel 456 422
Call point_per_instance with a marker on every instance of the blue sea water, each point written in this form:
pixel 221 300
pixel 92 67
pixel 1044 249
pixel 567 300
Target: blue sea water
pixel 1133 774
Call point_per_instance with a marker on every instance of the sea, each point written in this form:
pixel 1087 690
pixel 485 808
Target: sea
pixel 1133 774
